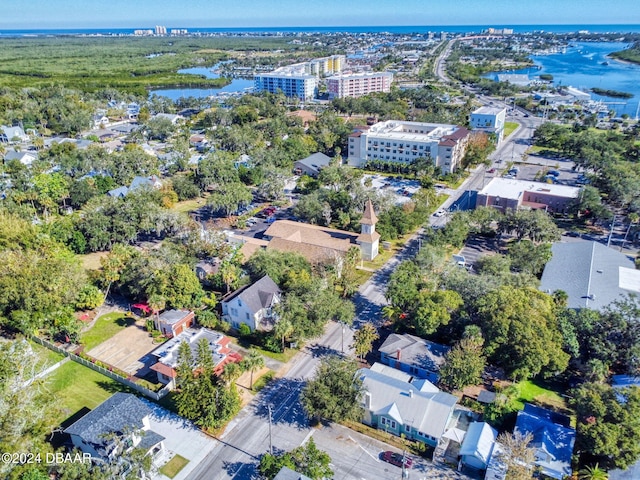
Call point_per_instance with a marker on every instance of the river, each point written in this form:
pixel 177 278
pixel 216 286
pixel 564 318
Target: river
pixel 583 66
pixel 236 85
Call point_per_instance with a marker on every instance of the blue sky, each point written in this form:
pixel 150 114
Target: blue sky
pixel 37 14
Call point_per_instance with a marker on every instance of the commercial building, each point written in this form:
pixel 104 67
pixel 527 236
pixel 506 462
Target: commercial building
pixel 490 120
pixel 404 142
pixel 591 274
pixel 507 193
pixel 291 84
pixel 358 84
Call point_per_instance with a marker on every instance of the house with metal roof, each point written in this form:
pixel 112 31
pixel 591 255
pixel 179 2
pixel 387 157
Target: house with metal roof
pixel 312 164
pixel 252 305
pixel 593 275
pixel 553 439
pixel 477 445
pixel 419 411
pixel 413 355
pixel 117 425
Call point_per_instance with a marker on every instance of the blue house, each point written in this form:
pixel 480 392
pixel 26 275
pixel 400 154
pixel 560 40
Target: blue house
pixel 553 439
pixel 413 355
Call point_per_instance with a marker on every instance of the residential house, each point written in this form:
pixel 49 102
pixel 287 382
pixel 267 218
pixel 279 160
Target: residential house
pixel 205 268
pixel 312 164
pixel 166 355
pixel 25 158
pixel 12 135
pixel 199 141
pixel 418 410
pixel 509 193
pixel 173 322
pixel 117 425
pixel 632 472
pixel 553 439
pixel 478 445
pixel 593 275
pixel 414 355
pixel 138 182
pixel 172 117
pixel 252 305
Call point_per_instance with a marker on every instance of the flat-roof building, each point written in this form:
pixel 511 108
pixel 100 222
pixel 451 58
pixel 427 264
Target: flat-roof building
pixel 291 84
pixel 507 193
pixel 396 141
pixel 490 120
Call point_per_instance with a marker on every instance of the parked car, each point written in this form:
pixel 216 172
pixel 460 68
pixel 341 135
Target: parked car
pixel 555 173
pixel 491 170
pixel 397 459
pixel 439 213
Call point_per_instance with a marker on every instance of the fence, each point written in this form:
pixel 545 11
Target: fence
pixel 114 376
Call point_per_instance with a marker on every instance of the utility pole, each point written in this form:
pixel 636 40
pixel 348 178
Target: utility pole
pixel 270 438
pixel 613 223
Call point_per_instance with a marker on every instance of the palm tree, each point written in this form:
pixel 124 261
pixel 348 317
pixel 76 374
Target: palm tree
pixel 253 362
pixel 593 473
pixel 283 328
pixel 391 313
pixel 231 373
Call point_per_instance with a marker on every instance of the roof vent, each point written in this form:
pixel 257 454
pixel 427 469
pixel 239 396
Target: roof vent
pixel 599 271
pixel 410 393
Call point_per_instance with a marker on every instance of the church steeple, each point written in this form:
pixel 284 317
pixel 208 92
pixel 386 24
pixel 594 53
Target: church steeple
pixel 368 238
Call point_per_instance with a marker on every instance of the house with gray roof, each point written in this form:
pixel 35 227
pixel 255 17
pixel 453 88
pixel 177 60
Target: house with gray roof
pixel 252 305
pixel 312 164
pixel 419 411
pixel 117 425
pixel 12 134
pixel 553 439
pixel 25 158
pixel 591 274
pixel 414 355
pixel 477 445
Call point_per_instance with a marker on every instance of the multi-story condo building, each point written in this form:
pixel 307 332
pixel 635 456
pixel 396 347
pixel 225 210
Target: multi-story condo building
pixel 291 84
pixel 326 65
pixel 404 142
pixel 489 120
pixel 358 84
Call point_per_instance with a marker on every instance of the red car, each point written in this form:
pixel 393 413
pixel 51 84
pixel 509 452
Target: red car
pixel 396 459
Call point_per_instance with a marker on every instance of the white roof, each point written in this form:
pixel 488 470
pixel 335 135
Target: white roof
pixel 629 279
pixel 512 188
pixel 398 130
pixel 479 441
pixel 487 111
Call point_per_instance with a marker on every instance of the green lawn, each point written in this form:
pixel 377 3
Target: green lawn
pixel 173 466
pixel 532 392
pixel 105 327
pixel 187 206
pixel 75 387
pixel 48 357
pixel 509 127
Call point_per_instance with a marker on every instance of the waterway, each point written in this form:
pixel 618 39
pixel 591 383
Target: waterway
pixel 585 65
pixel 237 85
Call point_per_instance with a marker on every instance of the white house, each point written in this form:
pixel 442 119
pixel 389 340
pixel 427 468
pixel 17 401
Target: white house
pixel 252 305
pixel 12 134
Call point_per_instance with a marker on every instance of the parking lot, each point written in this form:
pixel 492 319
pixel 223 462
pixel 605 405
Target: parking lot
pixel 403 189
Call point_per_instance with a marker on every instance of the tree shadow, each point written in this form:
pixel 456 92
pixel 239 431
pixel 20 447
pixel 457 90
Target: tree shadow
pixel 241 470
pixel 283 396
pixel 317 351
pixel 125 321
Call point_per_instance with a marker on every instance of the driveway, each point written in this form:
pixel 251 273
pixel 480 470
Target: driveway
pixel 181 438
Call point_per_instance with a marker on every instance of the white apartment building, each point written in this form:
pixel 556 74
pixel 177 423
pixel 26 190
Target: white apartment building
pixel 489 120
pixel 291 84
pixel 358 84
pixel 404 142
pixel 326 65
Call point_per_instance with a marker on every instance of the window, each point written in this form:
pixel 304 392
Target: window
pixel 247 315
pixel 234 312
pixel 407 428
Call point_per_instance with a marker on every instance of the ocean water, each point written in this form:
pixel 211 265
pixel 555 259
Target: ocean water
pixel 583 66
pixel 335 29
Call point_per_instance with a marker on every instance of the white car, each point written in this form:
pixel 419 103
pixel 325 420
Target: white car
pixel 439 213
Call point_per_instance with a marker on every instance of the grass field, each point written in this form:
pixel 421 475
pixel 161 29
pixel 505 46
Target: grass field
pixel 75 387
pixel 187 206
pixel 509 127
pixel 105 327
pixel 173 466
pixel 532 392
pixel 91 261
pixel 48 357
